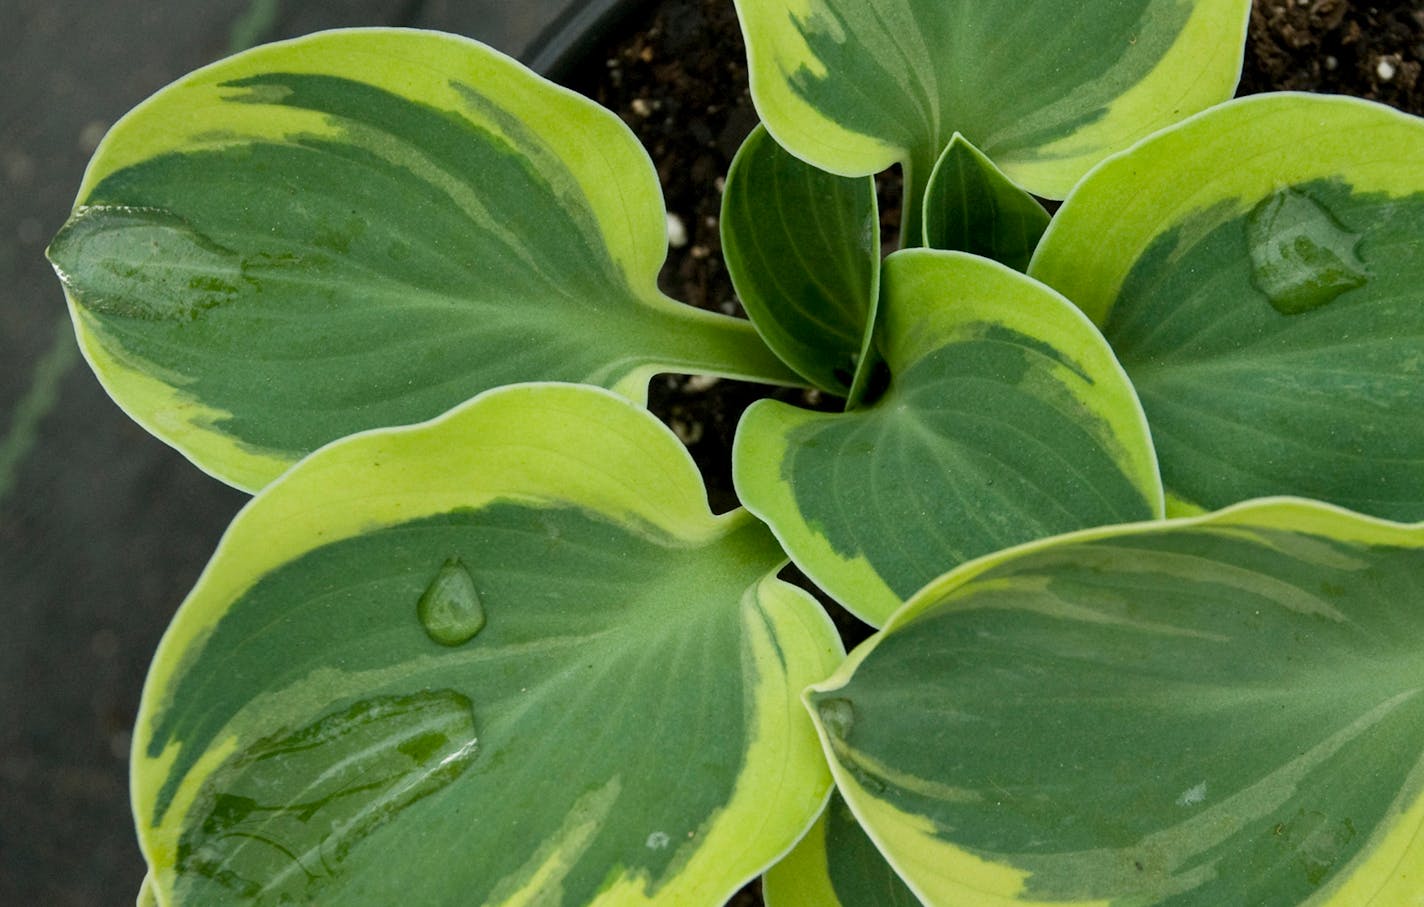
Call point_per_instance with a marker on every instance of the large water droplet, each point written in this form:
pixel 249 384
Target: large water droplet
pixel 1302 257
pixel 275 823
pixel 145 263
pixel 450 608
pixel 838 715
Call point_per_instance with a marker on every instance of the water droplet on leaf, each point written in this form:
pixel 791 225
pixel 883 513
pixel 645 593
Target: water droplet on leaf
pixel 450 609
pixel 277 820
pixel 145 263
pixel 1302 257
pixel 838 715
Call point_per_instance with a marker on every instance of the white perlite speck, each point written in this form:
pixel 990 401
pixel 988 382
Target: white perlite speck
pixel 677 231
pixel 1385 70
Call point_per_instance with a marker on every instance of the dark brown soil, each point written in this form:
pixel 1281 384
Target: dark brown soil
pixel 1336 47
pixel 681 84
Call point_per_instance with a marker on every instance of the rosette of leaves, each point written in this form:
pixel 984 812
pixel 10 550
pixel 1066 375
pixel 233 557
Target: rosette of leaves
pixel 1269 315
pixel 983 410
pixel 509 656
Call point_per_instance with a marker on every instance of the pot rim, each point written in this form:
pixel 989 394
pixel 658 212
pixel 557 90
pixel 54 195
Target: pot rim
pixel 582 27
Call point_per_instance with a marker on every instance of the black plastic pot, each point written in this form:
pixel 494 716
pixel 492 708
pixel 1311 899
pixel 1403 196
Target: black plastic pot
pixel 581 30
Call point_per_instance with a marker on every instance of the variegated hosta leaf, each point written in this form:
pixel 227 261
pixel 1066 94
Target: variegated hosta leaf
pixel 146 896
pixel 1006 419
pixel 1046 90
pixel 970 206
pixel 835 865
pixel 505 657
pixel 364 228
pixel 803 251
pixel 1259 271
pixel 1218 710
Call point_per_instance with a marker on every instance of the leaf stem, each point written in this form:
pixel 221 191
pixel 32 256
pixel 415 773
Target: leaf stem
pixel 916 174
pixel 696 341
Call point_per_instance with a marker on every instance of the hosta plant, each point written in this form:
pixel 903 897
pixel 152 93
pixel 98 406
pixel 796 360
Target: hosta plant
pixel 478 639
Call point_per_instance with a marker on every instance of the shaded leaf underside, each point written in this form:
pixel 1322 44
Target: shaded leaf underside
pixel 970 206
pixel 859 874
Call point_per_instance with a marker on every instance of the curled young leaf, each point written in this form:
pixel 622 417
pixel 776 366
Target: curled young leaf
pixel 970 206
pixel 364 228
pixel 1217 710
pixel 619 726
pixel 803 251
pixel 1257 270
